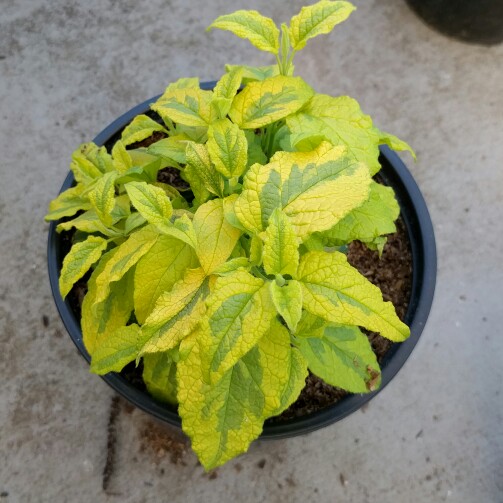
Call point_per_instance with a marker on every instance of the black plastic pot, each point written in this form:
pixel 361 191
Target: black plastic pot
pixel 479 22
pixel 419 228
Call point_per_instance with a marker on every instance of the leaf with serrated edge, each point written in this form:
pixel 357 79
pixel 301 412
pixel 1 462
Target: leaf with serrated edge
pixel 102 197
pixel 252 73
pixel 240 312
pixel 187 106
pixel 90 223
pixel 100 319
pixel 199 160
pixel 395 143
pixel 341 121
pixel 78 261
pixel 259 30
pixel 172 148
pixel 157 272
pixel 337 292
pixel 228 148
pixel 116 351
pixel 121 157
pixel 223 419
pixel 68 203
pixel 176 313
pixel 342 357
pixel 374 218
pixel 182 228
pixel 287 300
pixel 141 128
pixel 315 189
pixel 127 255
pixel 216 237
pixel 197 184
pixel 284 369
pixel 83 169
pixel 159 375
pixel 317 19
pixel 232 265
pixel 150 201
pixel 281 245
pixel 264 102
pixel 225 90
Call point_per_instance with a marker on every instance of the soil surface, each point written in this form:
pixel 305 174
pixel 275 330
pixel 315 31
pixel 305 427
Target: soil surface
pixel 392 273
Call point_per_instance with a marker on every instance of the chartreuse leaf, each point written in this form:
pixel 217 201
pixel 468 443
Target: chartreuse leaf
pixel 256 250
pixel 79 259
pixel 315 189
pixel 102 197
pixel 141 128
pixel 281 245
pixel 197 184
pixel 117 350
pixel 222 419
pixel 121 158
pixel 68 203
pixel 232 265
pixel 317 19
pixel 395 143
pixel 374 218
pixel 199 165
pixel 264 102
pixel 150 201
pixel 216 237
pixel 172 148
pixel 184 83
pixel 127 255
pixel 100 319
pixel 89 222
pixel 340 121
pixel 182 228
pixel 287 300
pixel 157 272
pixel 225 90
pixel 311 325
pixel 240 312
pixel 259 30
pixel 89 162
pixel 83 169
pixel 337 292
pixel 228 148
pixel 284 369
pixel 187 106
pixel 252 73
pixel 176 313
pixel 159 375
pixel 342 357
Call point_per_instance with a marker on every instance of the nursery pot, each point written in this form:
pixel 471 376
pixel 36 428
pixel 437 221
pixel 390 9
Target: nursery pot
pixel 422 241
pixel 472 21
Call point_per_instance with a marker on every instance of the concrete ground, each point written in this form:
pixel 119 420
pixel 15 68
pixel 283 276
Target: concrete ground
pixel 435 433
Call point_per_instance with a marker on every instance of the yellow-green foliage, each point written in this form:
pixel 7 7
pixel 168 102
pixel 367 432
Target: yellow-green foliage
pixel 230 295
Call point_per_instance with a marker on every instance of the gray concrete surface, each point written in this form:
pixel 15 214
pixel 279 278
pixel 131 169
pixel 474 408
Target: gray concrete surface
pixel 67 69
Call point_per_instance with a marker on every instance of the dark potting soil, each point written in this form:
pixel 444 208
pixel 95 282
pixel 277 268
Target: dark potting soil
pixel 392 273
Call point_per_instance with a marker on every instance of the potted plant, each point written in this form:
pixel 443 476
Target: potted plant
pixel 205 241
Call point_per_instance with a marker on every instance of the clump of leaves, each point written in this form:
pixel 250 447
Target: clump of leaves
pixel 231 291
